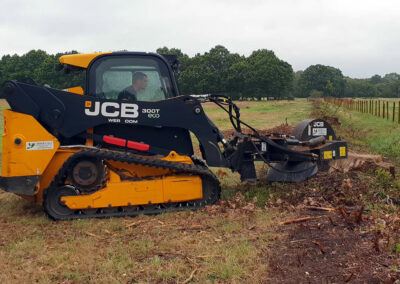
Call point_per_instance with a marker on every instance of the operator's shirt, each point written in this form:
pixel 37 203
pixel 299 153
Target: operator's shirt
pixel 128 94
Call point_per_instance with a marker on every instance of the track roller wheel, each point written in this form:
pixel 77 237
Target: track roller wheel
pixel 53 205
pixel 87 174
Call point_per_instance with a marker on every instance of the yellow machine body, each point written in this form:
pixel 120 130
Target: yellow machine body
pixel 161 187
pixel 129 193
pixel 30 151
pixel 27 146
pixel 80 60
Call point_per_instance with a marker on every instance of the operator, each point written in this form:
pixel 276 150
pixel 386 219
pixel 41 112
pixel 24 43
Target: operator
pixel 139 82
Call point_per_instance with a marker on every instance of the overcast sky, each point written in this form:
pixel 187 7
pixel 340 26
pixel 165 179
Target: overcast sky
pixel 360 37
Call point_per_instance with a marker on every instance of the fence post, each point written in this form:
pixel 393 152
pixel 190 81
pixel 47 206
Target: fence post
pixel 387 110
pixel 394 109
pixel 399 112
pixel 374 107
pixel 383 110
pixel 379 108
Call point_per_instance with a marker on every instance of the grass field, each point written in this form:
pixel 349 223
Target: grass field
pixel 262 115
pixel 229 243
pixel 368 133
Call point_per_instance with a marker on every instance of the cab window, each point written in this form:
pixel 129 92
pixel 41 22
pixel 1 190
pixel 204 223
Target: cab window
pixel 119 77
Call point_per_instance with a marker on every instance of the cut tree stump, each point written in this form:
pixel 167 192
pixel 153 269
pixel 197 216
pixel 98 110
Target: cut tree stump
pixel 356 161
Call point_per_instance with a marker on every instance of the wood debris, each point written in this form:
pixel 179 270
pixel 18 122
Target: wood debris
pixel 209 256
pixel 134 224
pixel 190 277
pixel 94 235
pixel 301 220
pixel 314 208
pixel 321 248
pixel 110 233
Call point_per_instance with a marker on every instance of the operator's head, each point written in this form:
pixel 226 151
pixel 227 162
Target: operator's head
pixel 139 81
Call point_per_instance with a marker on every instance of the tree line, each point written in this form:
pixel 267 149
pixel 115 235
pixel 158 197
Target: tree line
pixel 260 75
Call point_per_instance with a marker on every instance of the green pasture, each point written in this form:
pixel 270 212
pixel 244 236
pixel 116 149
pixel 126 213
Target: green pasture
pixel 369 133
pixel 262 114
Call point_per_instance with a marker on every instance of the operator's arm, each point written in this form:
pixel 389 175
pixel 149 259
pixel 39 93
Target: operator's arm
pixel 127 95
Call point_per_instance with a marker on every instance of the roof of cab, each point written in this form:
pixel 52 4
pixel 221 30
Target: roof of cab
pixel 80 60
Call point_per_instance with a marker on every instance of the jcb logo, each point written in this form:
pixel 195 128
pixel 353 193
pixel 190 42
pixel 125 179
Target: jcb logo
pixel 112 109
pixel 318 124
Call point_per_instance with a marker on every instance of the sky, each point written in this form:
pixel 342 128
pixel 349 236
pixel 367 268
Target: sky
pixel 360 37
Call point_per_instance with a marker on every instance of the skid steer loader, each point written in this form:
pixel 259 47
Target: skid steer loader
pixel 88 152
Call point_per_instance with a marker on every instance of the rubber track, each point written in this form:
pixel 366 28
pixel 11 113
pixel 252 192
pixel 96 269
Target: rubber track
pixel 199 169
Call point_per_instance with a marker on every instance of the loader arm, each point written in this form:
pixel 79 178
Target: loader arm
pixel 67 115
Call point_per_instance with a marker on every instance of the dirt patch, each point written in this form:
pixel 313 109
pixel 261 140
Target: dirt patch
pixel 331 249
pixel 349 230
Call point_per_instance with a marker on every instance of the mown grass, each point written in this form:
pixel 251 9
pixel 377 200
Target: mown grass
pixel 166 248
pixel 262 114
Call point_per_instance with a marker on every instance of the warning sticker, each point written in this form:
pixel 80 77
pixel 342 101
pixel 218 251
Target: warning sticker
pixel 319 131
pixel 327 155
pixel 40 145
pixel 342 151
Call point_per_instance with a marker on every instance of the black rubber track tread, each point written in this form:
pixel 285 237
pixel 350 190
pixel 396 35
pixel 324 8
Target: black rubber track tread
pixel 211 185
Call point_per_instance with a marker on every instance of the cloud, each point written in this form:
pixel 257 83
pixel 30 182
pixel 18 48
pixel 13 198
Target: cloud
pixel 358 37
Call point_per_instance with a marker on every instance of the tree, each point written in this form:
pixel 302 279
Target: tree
pixel 376 79
pixel 262 74
pixel 208 73
pixel 326 79
pixel 360 88
pixel 39 66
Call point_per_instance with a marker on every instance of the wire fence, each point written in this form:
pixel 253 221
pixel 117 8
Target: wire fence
pixel 389 110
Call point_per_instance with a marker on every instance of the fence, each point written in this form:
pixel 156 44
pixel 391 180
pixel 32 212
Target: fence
pixel 379 108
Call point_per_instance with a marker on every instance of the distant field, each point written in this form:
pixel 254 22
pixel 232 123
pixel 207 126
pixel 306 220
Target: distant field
pixel 263 114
